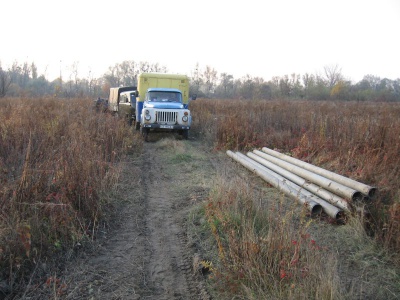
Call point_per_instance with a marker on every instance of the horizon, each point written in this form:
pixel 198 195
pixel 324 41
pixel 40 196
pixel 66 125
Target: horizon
pixel 67 74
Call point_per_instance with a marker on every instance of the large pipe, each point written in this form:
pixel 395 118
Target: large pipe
pixel 329 209
pixel 363 188
pixel 313 206
pixel 334 187
pixel 324 194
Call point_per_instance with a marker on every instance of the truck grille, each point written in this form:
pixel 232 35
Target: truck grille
pixel 166 117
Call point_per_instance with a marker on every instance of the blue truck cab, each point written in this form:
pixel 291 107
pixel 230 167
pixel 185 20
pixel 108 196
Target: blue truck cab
pixel 162 104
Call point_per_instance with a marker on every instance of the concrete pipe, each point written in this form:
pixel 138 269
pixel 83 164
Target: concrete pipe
pixel 331 210
pixel 363 188
pixel 315 189
pixel 312 206
pixel 334 187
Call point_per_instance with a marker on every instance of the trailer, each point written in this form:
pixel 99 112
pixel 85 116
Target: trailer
pixel 122 101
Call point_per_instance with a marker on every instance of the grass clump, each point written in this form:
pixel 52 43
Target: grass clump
pixel 261 254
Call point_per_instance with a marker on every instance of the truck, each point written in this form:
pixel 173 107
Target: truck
pixel 122 101
pixel 162 102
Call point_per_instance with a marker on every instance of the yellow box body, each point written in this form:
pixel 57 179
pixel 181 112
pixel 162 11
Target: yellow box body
pixel 161 80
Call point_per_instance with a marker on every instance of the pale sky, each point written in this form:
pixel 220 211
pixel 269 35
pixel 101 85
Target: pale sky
pixel 260 38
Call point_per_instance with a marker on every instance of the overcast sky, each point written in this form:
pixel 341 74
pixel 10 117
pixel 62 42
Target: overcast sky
pixel 260 38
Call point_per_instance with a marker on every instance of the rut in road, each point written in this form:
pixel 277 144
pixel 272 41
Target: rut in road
pixel 168 268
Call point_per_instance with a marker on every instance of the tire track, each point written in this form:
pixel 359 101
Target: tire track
pixel 168 269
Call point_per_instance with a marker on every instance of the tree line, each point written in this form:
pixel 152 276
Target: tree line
pixel 22 79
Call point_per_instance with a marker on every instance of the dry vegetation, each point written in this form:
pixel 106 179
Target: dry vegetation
pixel 261 256
pixel 57 157
pixel 358 140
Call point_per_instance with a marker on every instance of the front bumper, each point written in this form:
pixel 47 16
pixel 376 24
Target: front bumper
pixel 170 127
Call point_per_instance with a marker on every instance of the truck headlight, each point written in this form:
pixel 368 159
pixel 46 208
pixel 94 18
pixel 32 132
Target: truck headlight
pixel 147 116
pixel 185 118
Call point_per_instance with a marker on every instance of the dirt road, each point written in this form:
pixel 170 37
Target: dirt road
pixel 146 254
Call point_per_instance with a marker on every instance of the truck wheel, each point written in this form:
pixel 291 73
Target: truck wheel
pixel 145 133
pixel 185 134
pixel 137 127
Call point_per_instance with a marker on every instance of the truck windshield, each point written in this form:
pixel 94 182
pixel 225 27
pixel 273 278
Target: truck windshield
pixel 159 96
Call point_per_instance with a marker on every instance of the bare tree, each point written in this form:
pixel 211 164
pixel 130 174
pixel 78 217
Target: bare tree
pixel 74 72
pixel 157 68
pixel 210 79
pixel 227 84
pixel 372 80
pixel 34 71
pixel 308 82
pixel 284 86
pixel 145 67
pixel 113 76
pixel 196 81
pixel 333 74
pixel 129 72
pixel 90 81
pixel 5 81
pixel 25 75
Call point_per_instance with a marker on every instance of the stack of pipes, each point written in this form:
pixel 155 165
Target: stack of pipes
pixel 316 188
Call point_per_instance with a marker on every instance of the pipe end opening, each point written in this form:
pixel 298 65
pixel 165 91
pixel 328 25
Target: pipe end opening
pixel 341 218
pixel 316 210
pixel 372 192
pixel 357 197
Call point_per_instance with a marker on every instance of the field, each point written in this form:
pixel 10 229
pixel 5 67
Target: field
pixel 59 160
pixel 357 140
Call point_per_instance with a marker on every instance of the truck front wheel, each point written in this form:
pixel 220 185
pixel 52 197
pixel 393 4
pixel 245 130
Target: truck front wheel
pixel 185 134
pixel 145 133
pixel 130 120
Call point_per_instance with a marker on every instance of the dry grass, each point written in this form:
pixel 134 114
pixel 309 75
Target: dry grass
pixel 268 251
pixel 358 140
pixel 265 250
pixel 57 157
